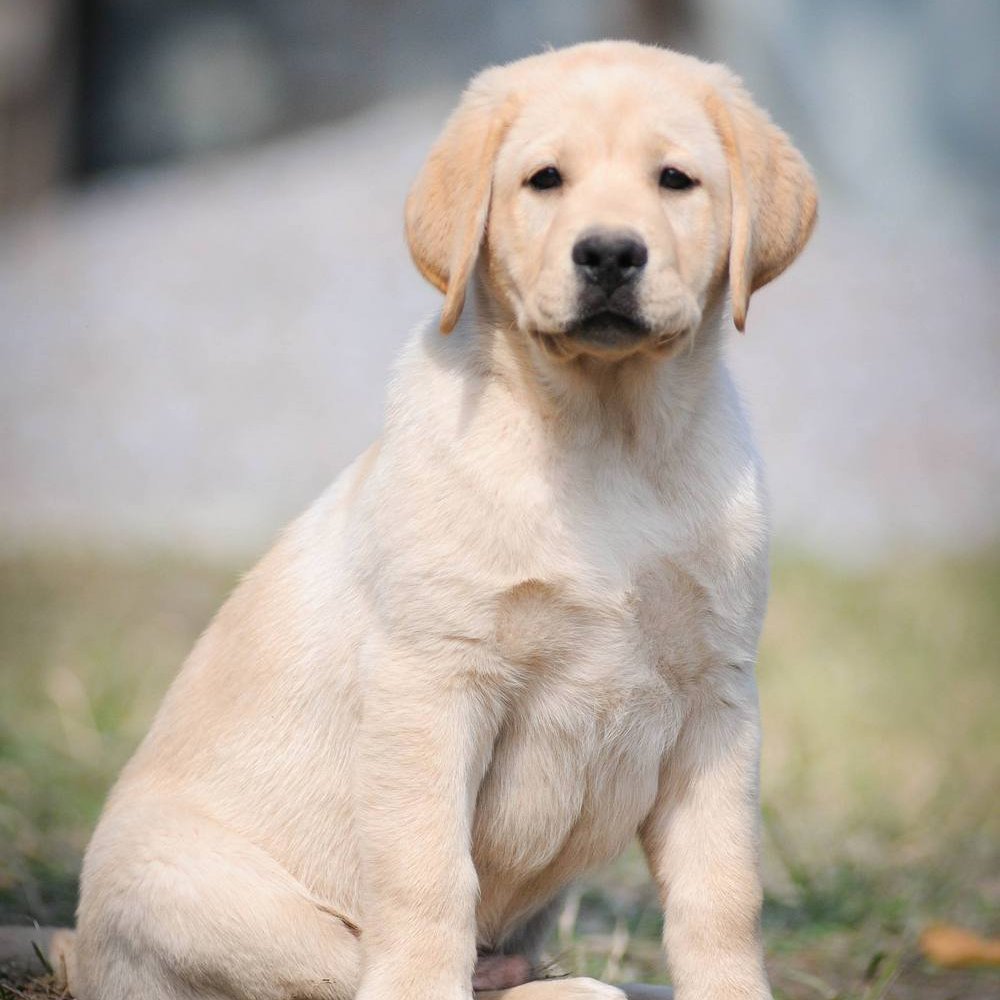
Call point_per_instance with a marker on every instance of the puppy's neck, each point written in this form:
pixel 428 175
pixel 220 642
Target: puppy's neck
pixel 637 401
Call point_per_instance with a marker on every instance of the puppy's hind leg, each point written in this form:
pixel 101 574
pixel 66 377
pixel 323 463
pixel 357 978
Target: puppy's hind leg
pixel 175 907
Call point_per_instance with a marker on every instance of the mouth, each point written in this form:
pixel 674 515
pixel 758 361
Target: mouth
pixel 607 328
pixel 607 333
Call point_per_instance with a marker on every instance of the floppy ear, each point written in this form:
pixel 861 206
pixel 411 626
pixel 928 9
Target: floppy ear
pixel 448 205
pixel 773 194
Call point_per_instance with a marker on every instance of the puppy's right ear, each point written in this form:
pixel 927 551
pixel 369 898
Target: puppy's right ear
pixel 772 189
pixel 448 205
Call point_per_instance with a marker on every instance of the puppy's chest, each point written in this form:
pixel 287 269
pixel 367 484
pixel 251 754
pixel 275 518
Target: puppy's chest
pixel 598 700
pixel 609 638
pixel 569 782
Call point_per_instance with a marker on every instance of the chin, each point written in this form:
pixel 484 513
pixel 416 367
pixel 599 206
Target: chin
pixel 610 338
pixel 607 329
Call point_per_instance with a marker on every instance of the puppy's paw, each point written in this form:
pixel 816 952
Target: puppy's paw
pixel 590 989
pixel 577 988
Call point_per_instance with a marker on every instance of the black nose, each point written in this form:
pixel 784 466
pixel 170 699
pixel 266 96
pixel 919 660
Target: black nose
pixel 609 259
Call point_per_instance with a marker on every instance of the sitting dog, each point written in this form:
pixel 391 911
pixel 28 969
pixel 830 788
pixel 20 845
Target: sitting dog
pixel 519 630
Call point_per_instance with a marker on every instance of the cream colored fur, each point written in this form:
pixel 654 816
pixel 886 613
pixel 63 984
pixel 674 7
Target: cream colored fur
pixel 520 630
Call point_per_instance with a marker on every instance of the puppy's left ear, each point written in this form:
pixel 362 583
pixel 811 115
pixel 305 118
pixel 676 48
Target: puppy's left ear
pixel 773 193
pixel 448 205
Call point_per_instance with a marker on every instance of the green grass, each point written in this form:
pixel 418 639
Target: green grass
pixel 881 772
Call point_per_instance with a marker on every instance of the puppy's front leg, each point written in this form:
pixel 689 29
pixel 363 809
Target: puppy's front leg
pixel 701 840
pixel 427 730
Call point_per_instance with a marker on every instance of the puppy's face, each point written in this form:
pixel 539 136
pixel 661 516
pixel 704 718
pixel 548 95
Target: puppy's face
pixel 609 221
pixel 609 190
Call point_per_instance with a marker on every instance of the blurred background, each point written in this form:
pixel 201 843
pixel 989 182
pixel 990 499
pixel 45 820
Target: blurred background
pixel 203 283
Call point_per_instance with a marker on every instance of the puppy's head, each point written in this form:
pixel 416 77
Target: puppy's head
pixel 610 190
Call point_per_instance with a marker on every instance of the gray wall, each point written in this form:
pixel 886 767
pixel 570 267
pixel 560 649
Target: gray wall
pixel 189 352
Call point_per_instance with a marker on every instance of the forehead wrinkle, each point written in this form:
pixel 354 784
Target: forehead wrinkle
pixel 605 117
pixel 584 137
pixel 604 112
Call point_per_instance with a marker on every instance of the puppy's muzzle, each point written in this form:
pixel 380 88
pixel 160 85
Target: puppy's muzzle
pixel 609 264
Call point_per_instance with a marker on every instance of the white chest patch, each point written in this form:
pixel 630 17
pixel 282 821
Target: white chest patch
pixel 599 701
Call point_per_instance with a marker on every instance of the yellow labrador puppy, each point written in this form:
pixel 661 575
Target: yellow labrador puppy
pixel 520 630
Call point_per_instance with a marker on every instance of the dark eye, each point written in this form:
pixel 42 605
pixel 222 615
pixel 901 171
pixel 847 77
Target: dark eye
pixel 676 180
pixel 547 177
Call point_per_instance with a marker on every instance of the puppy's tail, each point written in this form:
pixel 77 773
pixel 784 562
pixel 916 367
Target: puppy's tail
pixel 38 951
